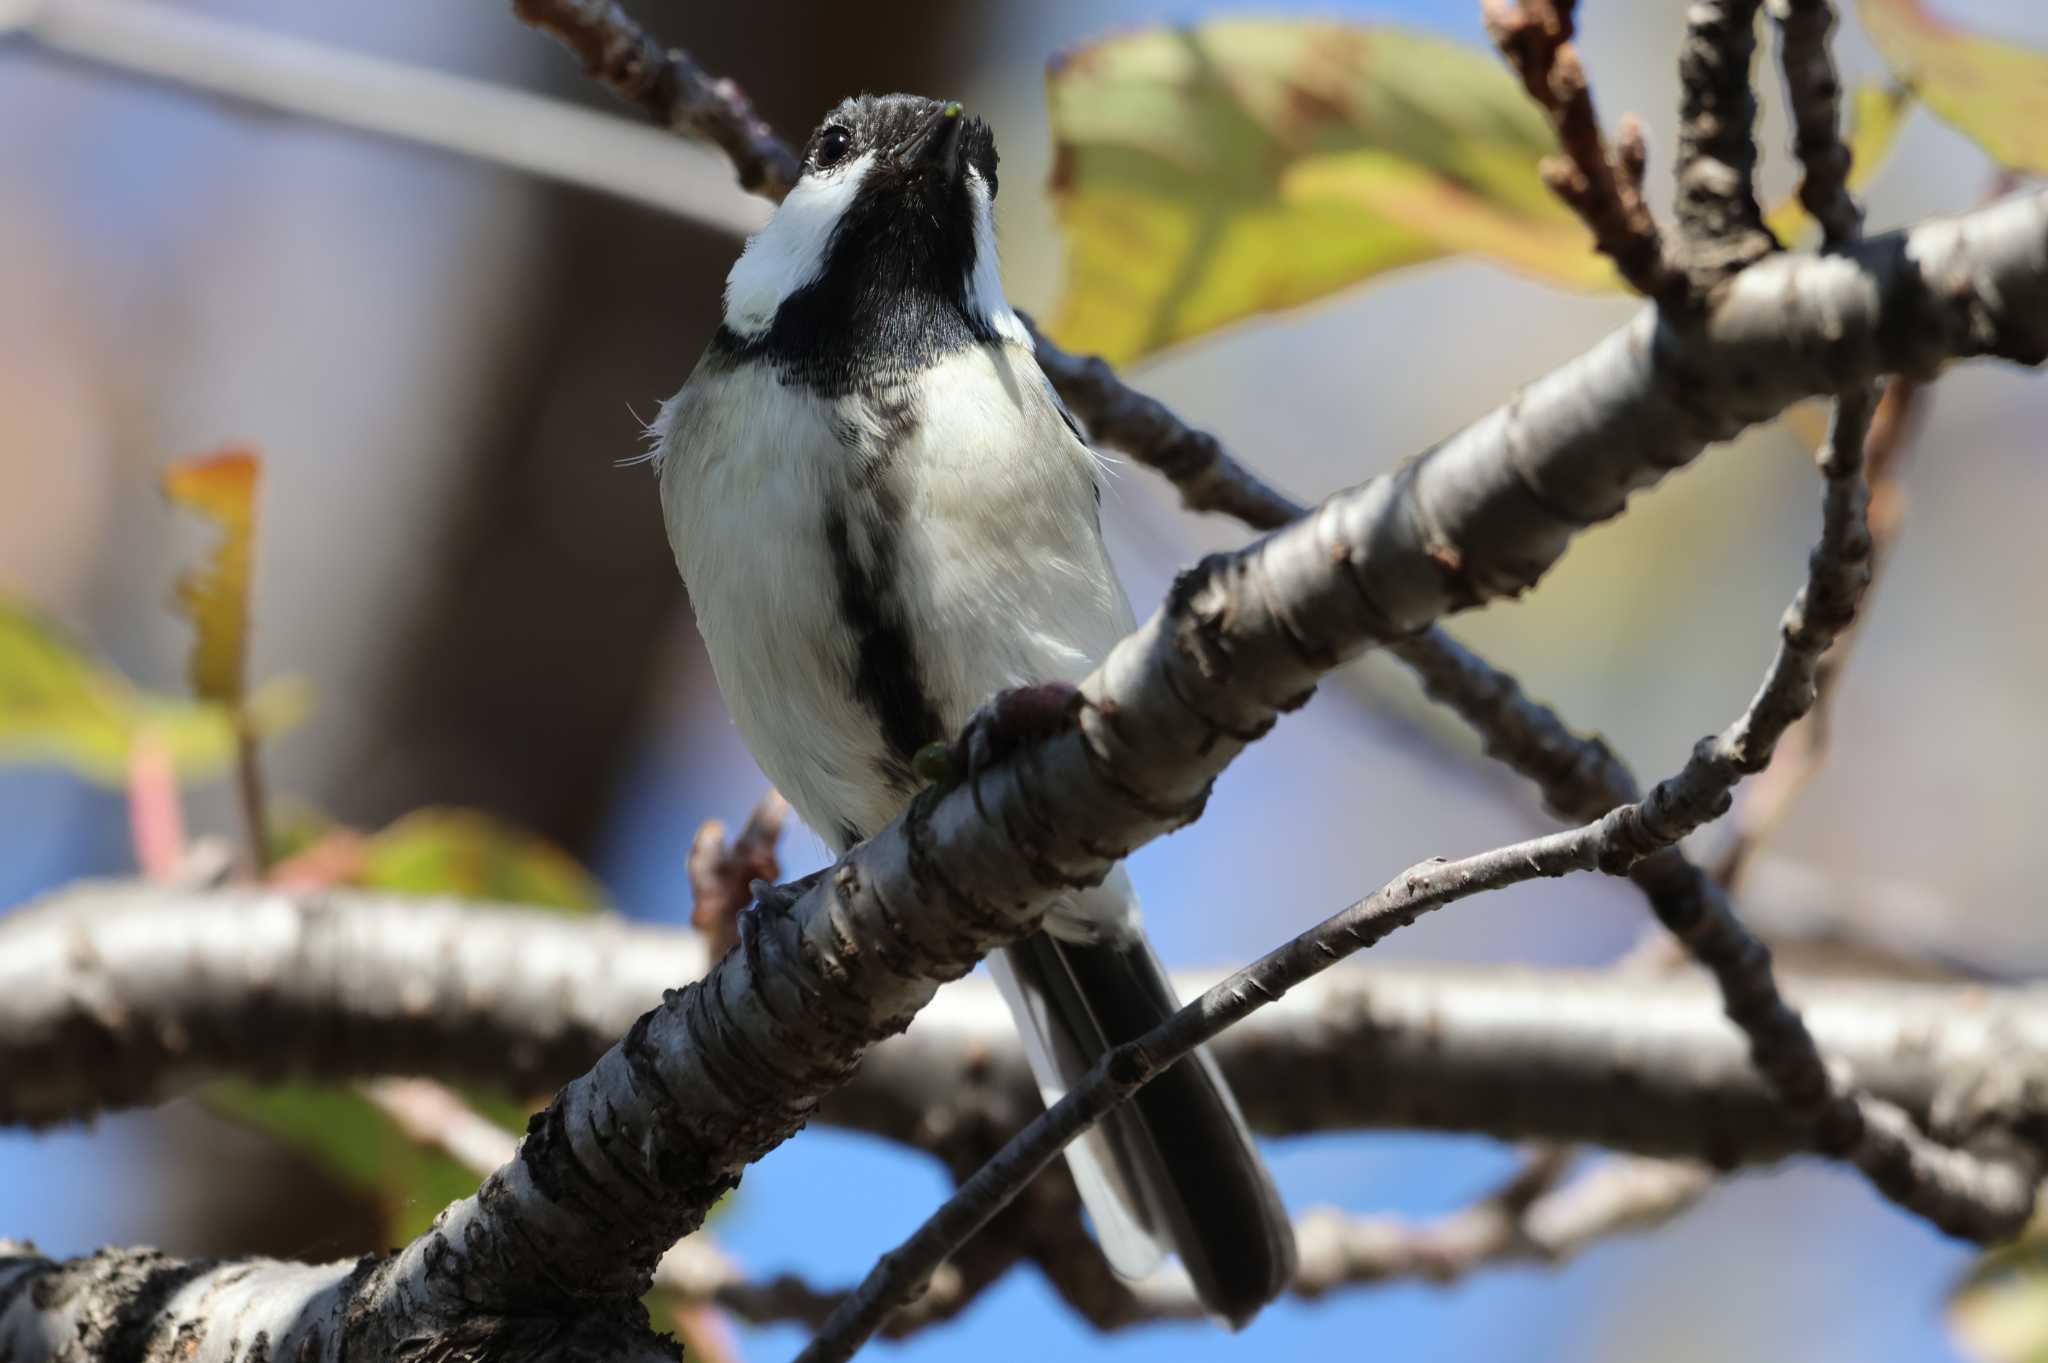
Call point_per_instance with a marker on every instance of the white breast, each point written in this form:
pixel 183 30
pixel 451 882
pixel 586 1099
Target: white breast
pixel 999 573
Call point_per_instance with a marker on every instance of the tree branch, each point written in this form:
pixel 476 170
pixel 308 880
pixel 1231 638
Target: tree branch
pixel 1979 1198
pixel 667 85
pixel 631 1154
pixel 1147 430
pixel 1604 188
pixel 114 994
pixel 1814 92
pixel 1524 1221
pixel 512 128
pixel 663 1123
pixel 1721 226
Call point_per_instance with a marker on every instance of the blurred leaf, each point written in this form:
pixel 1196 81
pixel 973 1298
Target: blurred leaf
pixel 347 1137
pixel 59 707
pixel 297 826
pixel 1240 166
pixel 222 488
pixel 1874 114
pixel 430 852
pixel 475 856
pixel 1995 93
pixel 1808 421
pixel 1999 1313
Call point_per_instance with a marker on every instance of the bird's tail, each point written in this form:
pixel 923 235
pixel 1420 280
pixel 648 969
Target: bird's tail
pixel 1173 1169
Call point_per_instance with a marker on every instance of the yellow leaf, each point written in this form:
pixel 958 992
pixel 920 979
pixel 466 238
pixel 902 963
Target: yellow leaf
pixel 1874 115
pixel 1995 93
pixel 1207 174
pixel 470 854
pixel 58 707
pixel 1999 1313
pixel 222 488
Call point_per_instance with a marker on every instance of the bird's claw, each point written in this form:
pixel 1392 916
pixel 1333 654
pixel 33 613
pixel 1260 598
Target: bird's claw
pixel 1010 720
pixel 782 898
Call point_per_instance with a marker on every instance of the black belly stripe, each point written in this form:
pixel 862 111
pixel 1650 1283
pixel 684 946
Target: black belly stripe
pixel 885 677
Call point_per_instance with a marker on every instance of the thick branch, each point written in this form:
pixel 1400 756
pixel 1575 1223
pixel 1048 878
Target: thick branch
pixel 632 1154
pixel 529 133
pixel 666 1120
pixel 139 1304
pixel 1984 1199
pixel 95 981
pixel 727 1069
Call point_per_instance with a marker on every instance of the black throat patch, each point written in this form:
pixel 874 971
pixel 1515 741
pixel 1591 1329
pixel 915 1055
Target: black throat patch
pixel 891 298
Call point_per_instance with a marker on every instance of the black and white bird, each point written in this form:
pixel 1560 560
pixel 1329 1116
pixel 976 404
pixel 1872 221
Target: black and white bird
pixel 884 517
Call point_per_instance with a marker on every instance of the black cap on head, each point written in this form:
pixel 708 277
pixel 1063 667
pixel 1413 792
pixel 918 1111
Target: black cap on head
pixel 880 259
pixel 910 131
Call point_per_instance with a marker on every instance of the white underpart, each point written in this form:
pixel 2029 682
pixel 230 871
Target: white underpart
pixel 985 297
pixel 790 251
pixel 999 566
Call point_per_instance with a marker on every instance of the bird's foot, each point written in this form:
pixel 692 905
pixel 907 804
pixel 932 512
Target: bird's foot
pixel 1010 720
pixel 782 898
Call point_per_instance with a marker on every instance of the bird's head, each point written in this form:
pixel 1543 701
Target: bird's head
pixel 889 233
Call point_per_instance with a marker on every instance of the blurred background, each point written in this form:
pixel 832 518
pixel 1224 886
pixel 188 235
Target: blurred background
pixel 443 361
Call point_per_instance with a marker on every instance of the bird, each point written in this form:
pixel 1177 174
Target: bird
pixel 884 516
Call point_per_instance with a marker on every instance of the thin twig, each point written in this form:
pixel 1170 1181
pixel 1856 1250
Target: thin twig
pixel 1579 776
pixel 1814 92
pixel 1721 226
pixel 1766 801
pixel 1978 1198
pixel 1147 430
pixel 900 1273
pixel 1530 1219
pixel 1813 89
pixel 1536 1216
pixel 249 795
pixel 668 86
pixel 1964 1194
pixel 1604 188
pixel 1688 904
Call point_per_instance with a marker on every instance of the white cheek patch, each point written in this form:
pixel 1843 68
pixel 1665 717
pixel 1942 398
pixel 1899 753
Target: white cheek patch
pixel 985 297
pixel 790 251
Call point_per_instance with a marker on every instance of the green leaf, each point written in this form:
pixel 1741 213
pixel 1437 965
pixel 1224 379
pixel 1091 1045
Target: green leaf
pixel 222 488
pixel 1207 174
pixel 432 852
pixel 1994 93
pixel 469 854
pixel 58 707
pixel 1874 114
pixel 1999 1313
pixel 349 1139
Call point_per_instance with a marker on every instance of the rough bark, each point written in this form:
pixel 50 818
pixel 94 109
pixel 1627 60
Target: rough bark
pixel 117 994
pixel 632 1154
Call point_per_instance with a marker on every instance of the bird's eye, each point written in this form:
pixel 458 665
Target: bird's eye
pixel 833 144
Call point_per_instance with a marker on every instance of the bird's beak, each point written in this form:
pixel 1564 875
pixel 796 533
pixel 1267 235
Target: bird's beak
pixel 935 146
